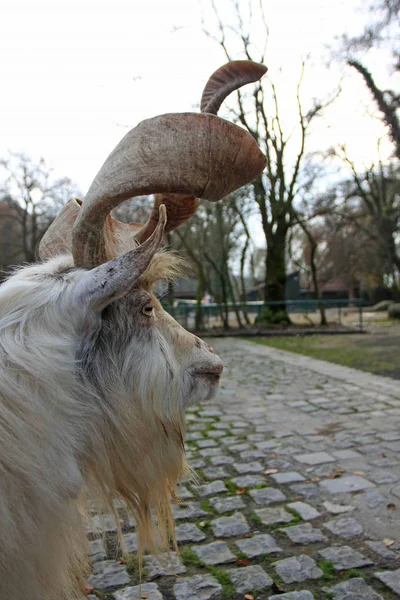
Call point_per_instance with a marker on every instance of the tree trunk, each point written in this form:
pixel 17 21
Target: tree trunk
pixel 242 283
pixel 317 289
pixel 199 324
pixel 275 263
pixel 233 297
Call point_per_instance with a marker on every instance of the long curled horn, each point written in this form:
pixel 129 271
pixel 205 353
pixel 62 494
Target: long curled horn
pixel 222 82
pixel 179 157
pixel 226 79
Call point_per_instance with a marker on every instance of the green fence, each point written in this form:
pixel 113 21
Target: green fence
pixel 212 314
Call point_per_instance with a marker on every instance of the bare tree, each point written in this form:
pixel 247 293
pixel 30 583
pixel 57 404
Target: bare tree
pixel 212 240
pixel 388 103
pixel 376 192
pixel 30 198
pixel 383 30
pixel 277 190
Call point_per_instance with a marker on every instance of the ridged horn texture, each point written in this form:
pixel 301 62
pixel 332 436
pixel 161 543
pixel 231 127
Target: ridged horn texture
pixel 178 157
pixel 179 209
pixel 119 237
pixel 198 155
pixel 226 79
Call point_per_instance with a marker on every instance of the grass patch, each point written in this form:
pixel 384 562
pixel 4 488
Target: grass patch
pixel 228 591
pixel 296 515
pixel 132 564
pixel 133 567
pixel 351 574
pixel 206 505
pixel 231 487
pixel 329 571
pixel 190 558
pixel 242 555
pixel 256 519
pixel 371 353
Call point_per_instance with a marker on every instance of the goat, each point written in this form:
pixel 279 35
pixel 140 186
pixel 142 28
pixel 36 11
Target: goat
pixel 95 376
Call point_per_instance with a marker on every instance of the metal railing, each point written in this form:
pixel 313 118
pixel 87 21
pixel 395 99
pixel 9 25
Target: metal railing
pixel 212 315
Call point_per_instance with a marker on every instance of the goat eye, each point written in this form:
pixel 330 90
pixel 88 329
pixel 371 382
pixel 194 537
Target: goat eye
pixel 148 310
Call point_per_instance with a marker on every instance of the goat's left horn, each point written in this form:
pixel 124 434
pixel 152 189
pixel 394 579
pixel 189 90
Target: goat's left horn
pixel 182 157
pixel 196 154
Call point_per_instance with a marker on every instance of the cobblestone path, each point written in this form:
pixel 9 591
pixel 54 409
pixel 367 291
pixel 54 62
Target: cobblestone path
pixel 300 496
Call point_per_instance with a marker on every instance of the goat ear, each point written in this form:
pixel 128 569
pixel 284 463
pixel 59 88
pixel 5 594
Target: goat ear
pixel 112 280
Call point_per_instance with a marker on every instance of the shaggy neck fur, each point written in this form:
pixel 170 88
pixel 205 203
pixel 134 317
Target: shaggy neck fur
pixel 69 424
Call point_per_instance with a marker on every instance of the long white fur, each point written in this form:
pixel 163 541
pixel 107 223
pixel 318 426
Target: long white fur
pixel 60 438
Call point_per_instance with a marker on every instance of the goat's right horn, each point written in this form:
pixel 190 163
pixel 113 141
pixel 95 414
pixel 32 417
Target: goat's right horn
pixel 226 79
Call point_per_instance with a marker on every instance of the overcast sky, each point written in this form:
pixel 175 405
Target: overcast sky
pixel 78 74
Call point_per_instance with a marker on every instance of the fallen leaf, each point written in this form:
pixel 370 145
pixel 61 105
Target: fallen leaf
pixel 271 471
pixel 241 491
pixel 243 561
pixel 391 506
pixel 88 590
pixel 315 480
pixel 358 473
pixel 335 474
pixel 144 596
pixel 122 561
pixel 248 597
pixel 388 542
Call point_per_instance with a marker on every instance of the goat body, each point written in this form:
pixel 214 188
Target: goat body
pixel 94 375
pixel 91 401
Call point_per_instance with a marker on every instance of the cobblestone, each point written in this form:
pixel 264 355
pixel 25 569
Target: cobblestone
pixel 298 458
pixel 303 595
pixel 163 564
pixel 189 532
pixel 271 516
pixel 146 590
pixel 315 458
pixel 227 504
pixel 258 545
pixel 306 511
pixel 306 490
pixel 350 483
pixel 216 487
pixel 382 550
pixel 288 477
pixel 215 553
pixel 267 496
pixel 297 569
pixel 199 587
pixel 354 589
pixel 304 534
pixel 232 526
pixel 345 527
pixel 246 481
pixel 344 557
pixel 391 579
pixel 108 574
pixel 97 550
pixel 249 578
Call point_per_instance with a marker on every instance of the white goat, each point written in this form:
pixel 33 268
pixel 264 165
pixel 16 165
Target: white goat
pixel 95 376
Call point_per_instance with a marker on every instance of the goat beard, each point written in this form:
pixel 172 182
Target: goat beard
pixel 137 464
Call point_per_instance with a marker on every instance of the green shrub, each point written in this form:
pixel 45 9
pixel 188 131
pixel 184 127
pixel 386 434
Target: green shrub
pixel 270 317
